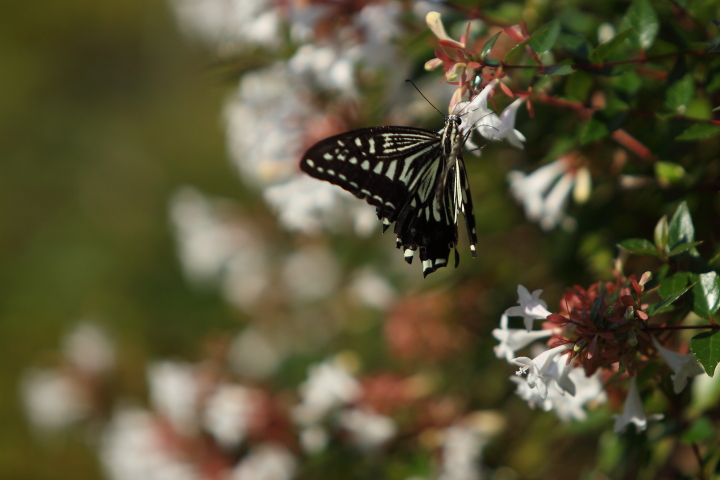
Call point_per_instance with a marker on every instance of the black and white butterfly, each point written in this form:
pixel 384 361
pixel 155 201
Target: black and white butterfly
pixel 415 177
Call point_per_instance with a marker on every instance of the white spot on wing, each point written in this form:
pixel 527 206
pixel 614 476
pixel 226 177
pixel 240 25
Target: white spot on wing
pixel 327 156
pixel 310 162
pixel 378 168
pixel 440 261
pixel 358 142
pixel 342 177
pixel 365 165
pixel 371 141
pixel 331 172
pixel 352 160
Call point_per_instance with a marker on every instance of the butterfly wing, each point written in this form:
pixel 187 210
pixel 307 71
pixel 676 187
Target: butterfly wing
pixel 399 170
pixel 376 164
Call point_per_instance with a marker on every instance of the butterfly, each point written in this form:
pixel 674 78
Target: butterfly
pixel 414 177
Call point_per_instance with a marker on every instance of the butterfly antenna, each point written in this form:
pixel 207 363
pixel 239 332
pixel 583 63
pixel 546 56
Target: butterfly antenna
pixel 416 88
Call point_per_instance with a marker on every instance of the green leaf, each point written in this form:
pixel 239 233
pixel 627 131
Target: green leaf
pixel 593 130
pixel 603 50
pixel 706 294
pixel 488 46
pixel 673 284
pixel 661 234
pixel 702 429
pixel 629 82
pixel 683 247
pixel 557 70
pixel 706 348
pixel 516 49
pixel 578 86
pixel 680 93
pixel 699 131
pixel 668 173
pixel 544 39
pixel 639 246
pixel 641 16
pixel 672 297
pixel 681 229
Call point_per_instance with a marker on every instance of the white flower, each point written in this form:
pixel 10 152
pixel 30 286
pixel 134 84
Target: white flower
pixel 133 447
pixel 52 399
pixel 371 289
pixel 228 413
pixel 324 66
pixel 267 461
pixel 313 439
pixel 512 339
pixel 311 273
pixel 587 390
pixel 228 24
pixel 632 411
pixel 328 386
pixel 174 393
pixel 89 349
pixel 368 430
pixel 531 307
pixel 537 368
pixel 476 114
pixel 544 193
pixel 215 246
pixel 506 130
pixel 567 405
pixel 463 444
pixel 683 366
pixel 252 354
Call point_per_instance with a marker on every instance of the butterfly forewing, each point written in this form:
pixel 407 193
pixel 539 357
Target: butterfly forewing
pixel 409 174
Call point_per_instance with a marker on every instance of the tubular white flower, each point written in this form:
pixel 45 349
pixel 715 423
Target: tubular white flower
pixel 531 307
pixel 632 411
pixel 506 130
pixel 555 202
pixel 476 113
pixel 513 339
pixel 537 367
pixel 328 386
pixel 683 366
pixel 174 393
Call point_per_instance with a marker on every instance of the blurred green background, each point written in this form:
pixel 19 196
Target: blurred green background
pixel 104 110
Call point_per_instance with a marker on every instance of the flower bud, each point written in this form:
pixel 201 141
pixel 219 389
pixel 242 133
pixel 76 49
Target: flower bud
pixel 646 277
pixel 629 313
pixel 632 338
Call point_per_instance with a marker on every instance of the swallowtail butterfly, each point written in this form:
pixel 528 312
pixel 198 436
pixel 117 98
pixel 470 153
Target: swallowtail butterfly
pixel 415 177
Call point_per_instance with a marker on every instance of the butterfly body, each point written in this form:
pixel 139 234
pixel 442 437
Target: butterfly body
pixel 414 177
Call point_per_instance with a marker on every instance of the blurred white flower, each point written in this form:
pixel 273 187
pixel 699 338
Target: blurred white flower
pixel 251 354
pixel 313 439
pixel 311 273
pixel 683 366
pixel 52 399
pixel 531 308
pixel 367 429
pixel 544 204
pixel 228 413
pixel 633 411
pixel 174 394
pixel 229 24
pixel 605 32
pixel 89 349
pixel 463 444
pixel 133 447
pixel 266 124
pixel 587 390
pixel 328 386
pixel 324 66
pixel 268 461
pixel 214 246
pixel 369 288
pixel 513 339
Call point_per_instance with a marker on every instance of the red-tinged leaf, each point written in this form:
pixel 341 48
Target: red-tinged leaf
pixel 641 315
pixel 557 319
pixel 515 33
pixel 473 65
pixel 592 348
pixel 506 90
pixel 451 44
pixel 627 300
pixel 444 57
pixel 636 287
pixel 606 335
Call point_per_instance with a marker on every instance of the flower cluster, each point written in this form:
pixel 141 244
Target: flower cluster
pixel 601 330
pixel 201 422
